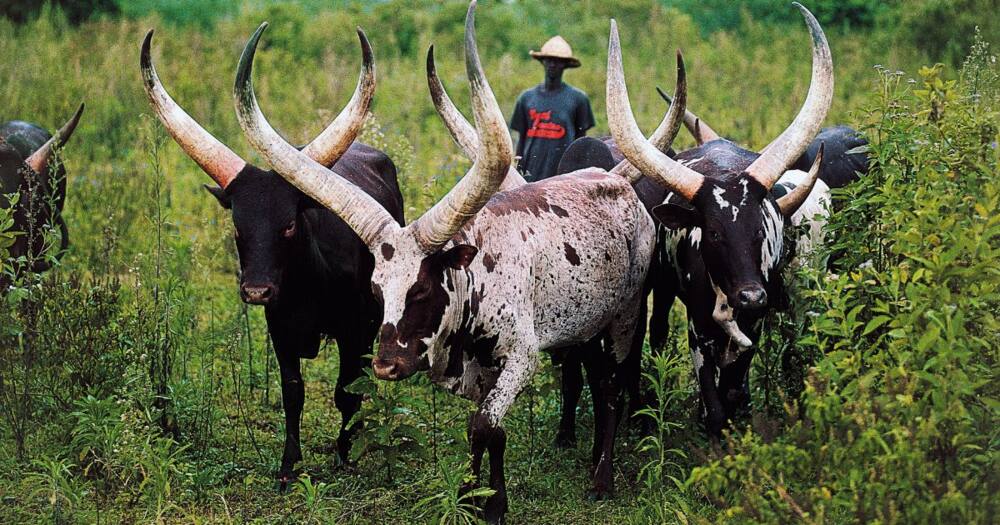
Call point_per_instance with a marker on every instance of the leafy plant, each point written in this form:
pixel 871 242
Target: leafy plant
pixel 54 481
pixel 450 505
pixel 314 496
pixel 389 427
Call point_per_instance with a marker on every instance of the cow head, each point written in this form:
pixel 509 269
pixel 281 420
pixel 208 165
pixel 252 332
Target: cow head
pixel 421 270
pixel 266 209
pixel 15 161
pixel 28 167
pixel 739 223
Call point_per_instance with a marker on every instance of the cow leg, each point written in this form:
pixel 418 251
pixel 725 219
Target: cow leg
pixel 486 437
pixel 664 286
pixel 622 334
pixel 351 363
pixel 289 343
pixel 659 320
pixel 292 399
pixel 572 387
pixel 631 370
pixel 705 370
pixel 486 434
pixel 602 372
pixel 734 388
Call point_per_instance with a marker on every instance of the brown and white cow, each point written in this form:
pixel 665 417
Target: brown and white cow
pixel 570 360
pixel 475 288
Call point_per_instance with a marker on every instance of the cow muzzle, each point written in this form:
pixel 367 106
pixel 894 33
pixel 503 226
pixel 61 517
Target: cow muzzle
pixel 751 297
pixel 392 369
pixel 258 294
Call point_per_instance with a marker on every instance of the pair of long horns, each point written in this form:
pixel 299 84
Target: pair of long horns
pixel 774 160
pixel 789 202
pixel 462 132
pixel 220 162
pixel 39 160
pixel 368 219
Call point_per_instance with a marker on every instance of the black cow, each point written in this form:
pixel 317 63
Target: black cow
pixel 27 167
pixel 725 222
pixel 302 262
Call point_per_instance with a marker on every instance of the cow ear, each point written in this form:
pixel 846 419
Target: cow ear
pixel 461 256
pixel 220 195
pixel 677 216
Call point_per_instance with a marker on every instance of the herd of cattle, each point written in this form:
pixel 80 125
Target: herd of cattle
pixel 499 269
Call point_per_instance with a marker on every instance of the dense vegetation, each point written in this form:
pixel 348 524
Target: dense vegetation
pixel 136 387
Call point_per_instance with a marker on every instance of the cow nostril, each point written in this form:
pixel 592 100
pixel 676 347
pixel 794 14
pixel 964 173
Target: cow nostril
pixel 384 368
pixel 258 294
pixel 753 297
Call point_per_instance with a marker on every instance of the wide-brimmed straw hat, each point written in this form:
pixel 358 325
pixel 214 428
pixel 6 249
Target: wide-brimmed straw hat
pixel 557 47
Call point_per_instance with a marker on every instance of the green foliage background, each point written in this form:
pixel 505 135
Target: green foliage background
pixel 137 388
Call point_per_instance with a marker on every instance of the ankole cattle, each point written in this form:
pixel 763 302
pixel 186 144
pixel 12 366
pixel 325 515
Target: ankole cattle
pixel 725 226
pixel 476 287
pixel 301 261
pixel 29 168
pixel 582 154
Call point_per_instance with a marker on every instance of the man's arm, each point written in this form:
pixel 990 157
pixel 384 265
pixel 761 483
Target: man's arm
pixel 584 116
pixel 519 123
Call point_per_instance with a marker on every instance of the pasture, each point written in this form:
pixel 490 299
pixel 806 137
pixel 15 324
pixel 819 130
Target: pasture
pixel 136 386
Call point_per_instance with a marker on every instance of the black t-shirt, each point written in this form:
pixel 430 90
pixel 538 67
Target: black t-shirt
pixel 548 121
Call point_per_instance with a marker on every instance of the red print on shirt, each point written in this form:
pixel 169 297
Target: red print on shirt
pixel 542 128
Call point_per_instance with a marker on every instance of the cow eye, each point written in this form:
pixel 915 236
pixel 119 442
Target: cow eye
pixel 760 235
pixel 290 229
pixel 715 235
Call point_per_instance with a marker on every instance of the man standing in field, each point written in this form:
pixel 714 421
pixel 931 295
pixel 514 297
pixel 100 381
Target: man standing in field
pixel 551 115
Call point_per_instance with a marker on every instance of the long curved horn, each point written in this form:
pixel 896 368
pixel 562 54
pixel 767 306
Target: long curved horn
pixel 358 209
pixel 647 158
pixel 215 159
pixel 792 142
pixel 790 202
pixel 462 132
pixel 338 136
pixel 666 132
pixel 39 160
pixel 493 157
pixel 701 132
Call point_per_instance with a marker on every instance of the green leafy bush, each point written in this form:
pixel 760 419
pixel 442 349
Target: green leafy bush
pixel 897 423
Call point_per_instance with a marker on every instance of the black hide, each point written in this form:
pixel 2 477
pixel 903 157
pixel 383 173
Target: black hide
pixel 42 195
pixel 312 273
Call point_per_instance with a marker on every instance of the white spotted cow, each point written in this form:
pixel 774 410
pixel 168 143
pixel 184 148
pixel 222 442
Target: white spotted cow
pixel 476 287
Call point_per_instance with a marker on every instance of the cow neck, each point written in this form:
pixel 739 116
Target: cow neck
pixel 457 322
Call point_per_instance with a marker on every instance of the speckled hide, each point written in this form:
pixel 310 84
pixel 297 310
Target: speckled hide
pixel 558 261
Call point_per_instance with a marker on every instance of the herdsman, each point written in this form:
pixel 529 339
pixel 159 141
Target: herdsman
pixel 551 115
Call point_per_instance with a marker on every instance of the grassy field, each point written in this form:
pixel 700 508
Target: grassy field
pixel 138 388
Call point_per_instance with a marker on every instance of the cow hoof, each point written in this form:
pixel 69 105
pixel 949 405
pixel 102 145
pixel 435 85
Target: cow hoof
pixel 600 493
pixel 565 440
pixel 284 478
